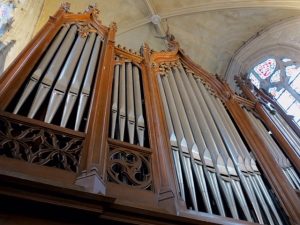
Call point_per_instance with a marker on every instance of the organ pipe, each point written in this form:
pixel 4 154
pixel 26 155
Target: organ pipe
pixel 229 165
pixel 64 78
pixel 140 120
pixel 114 107
pixel 127 104
pixel 41 67
pixel 251 173
pixel 283 162
pixel 86 89
pixel 65 75
pixel 173 141
pixel 77 80
pixel 52 72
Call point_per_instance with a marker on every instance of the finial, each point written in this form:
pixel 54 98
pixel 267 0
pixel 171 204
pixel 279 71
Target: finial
pixel 92 8
pixel 65 6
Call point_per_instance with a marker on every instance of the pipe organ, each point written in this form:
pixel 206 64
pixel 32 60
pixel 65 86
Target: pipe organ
pixel 142 138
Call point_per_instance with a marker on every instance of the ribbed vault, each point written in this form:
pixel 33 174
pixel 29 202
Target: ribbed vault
pixel 210 32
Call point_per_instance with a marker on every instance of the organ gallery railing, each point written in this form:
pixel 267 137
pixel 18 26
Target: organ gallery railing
pixel 152 128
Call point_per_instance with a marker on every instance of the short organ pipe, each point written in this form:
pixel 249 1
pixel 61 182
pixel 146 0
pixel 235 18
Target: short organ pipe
pixel 128 119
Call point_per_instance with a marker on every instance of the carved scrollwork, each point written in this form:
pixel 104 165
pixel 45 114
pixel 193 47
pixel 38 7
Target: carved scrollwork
pixel 93 10
pixel 85 28
pixel 40 146
pixel 130 168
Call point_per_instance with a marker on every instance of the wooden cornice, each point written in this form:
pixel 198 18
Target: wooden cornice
pixel 165 56
pixel 243 101
pixel 123 52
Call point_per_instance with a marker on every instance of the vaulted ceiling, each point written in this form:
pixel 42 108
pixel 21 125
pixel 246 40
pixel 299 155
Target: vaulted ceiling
pixel 209 31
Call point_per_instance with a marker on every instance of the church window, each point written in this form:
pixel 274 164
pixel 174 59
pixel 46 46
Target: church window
pixel 279 77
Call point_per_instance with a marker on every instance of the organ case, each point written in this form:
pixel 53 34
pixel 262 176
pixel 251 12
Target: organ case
pixel 153 129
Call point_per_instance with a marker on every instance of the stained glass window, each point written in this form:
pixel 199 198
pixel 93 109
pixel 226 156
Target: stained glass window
pixel 273 91
pixel 6 15
pixel 296 84
pixel 275 77
pixel 285 100
pixel 294 110
pixel 280 77
pixel 266 68
pixel 292 72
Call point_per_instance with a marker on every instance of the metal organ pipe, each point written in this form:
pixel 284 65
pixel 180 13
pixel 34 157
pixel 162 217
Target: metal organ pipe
pixel 127 104
pixel 198 122
pixel 281 159
pixel 114 107
pixel 52 72
pixel 65 73
pixel 37 74
pixel 287 131
pixel 77 79
pixel 140 120
pixel 86 89
pixel 173 140
pixel 122 102
pixel 187 152
pixel 251 173
pixel 259 191
pixel 64 78
pixel 130 103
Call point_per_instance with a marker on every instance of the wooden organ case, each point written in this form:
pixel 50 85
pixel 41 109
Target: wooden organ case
pixel 99 133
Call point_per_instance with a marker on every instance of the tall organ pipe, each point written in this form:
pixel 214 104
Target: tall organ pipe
pixel 86 89
pixel 252 174
pixel 173 140
pixel 258 190
pixel 287 131
pixel 122 102
pixel 77 79
pixel 52 72
pixel 114 107
pixel 130 103
pixel 186 152
pixel 277 153
pixel 140 121
pixel 192 125
pixel 64 79
pixel 37 74
pixel 208 135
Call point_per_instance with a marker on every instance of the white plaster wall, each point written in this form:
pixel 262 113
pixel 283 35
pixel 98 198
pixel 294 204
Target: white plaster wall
pixel 26 15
